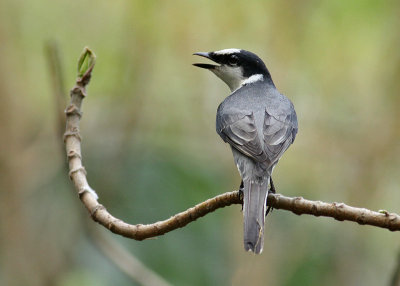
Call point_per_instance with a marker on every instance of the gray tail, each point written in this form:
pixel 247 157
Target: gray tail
pixel 254 204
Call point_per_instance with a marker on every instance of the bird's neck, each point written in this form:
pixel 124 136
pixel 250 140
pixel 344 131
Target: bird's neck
pixel 255 78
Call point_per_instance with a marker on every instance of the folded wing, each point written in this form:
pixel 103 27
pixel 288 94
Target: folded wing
pixel 239 130
pixel 278 133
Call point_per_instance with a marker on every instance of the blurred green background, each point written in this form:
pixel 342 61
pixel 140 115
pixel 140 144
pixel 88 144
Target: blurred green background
pixel 151 150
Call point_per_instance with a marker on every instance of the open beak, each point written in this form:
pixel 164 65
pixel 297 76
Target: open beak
pixel 205 66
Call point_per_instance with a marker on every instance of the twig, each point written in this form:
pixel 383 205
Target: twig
pixel 128 263
pixel 119 256
pixel 297 205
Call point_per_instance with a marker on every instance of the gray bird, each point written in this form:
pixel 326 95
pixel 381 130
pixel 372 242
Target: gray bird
pixel 259 123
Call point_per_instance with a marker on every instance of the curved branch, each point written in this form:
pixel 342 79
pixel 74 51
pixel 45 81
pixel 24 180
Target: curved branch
pixel 297 205
pixel 126 261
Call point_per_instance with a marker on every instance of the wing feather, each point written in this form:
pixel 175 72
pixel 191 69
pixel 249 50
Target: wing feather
pixel 240 131
pixel 278 133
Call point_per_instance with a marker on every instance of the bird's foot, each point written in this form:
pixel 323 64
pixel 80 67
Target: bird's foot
pixel 241 187
pixel 271 190
pixel 269 209
pixel 272 187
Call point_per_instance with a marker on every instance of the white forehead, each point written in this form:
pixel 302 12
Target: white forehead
pixel 227 52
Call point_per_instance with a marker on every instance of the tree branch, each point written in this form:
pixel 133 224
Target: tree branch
pixel 126 262
pixel 77 173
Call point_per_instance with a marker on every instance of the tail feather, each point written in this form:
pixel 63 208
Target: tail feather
pixel 254 204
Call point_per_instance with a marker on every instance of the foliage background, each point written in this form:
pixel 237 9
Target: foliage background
pixel 150 147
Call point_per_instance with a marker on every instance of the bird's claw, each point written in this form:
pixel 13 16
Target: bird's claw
pixel 241 194
pixel 272 191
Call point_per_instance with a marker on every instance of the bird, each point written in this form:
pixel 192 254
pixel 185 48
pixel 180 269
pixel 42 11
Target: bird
pixel 259 123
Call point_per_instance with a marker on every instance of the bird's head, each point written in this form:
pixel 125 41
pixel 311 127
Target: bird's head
pixel 236 67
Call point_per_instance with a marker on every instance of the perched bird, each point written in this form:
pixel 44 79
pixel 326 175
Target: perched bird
pixel 259 123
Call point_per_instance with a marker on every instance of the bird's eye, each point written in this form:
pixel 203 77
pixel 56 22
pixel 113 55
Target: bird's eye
pixel 233 60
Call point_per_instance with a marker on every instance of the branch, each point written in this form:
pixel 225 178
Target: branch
pixel 77 173
pixel 126 262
